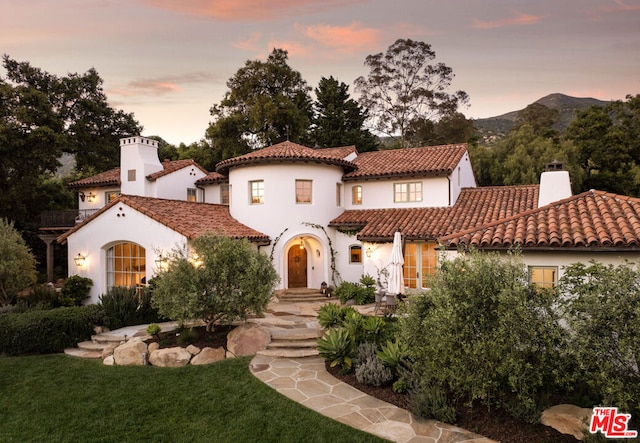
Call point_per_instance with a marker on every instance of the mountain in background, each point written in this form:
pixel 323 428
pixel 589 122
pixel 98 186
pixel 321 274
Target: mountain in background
pixel 492 129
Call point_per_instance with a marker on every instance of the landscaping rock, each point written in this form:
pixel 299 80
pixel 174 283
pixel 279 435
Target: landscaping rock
pixel 108 350
pixel 193 350
pixel 248 339
pixel 170 357
pixel 153 346
pixel 130 353
pixel 109 361
pixel 208 355
pixel 567 419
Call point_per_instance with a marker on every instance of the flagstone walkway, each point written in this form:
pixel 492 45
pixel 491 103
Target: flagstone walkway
pixel 306 381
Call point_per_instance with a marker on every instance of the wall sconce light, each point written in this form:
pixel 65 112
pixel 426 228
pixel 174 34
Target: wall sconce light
pixel 301 244
pixel 81 195
pixel 196 261
pixel 91 197
pixel 161 262
pixel 79 260
pixel 369 252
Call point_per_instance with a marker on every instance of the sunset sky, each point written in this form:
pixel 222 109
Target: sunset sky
pixel 167 61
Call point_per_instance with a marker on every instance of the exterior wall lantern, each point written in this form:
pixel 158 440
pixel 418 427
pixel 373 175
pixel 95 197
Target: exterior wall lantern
pixel 369 252
pixel 161 262
pixel 80 260
pixel 323 288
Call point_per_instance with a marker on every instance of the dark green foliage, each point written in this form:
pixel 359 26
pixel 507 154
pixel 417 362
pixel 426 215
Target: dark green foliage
pixel 392 355
pixel 369 369
pixel 330 315
pixel 127 306
pixel 601 305
pixel 361 293
pixel 44 332
pixel 483 333
pixel 75 290
pixel 40 297
pixel 339 120
pixel 17 263
pixel 153 329
pixel 432 401
pixel 337 347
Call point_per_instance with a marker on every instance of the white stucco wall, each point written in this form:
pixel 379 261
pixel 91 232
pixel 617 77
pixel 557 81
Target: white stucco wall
pixel 139 154
pixel 379 194
pixel 174 186
pixel 118 224
pixel 462 177
pixel 212 193
pixel 99 200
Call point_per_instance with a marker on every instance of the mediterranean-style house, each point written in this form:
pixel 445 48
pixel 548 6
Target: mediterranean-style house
pixel 329 215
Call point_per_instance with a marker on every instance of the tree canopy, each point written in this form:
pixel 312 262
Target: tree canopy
pixel 17 266
pixel 338 119
pixel 403 86
pixel 268 102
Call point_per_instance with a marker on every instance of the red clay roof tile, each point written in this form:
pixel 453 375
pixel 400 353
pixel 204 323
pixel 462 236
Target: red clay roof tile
pixel 593 219
pixel 187 218
pixel 103 179
pixel 169 166
pixel 427 161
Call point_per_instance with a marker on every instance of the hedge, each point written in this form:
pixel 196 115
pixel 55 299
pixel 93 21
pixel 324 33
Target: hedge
pixel 46 332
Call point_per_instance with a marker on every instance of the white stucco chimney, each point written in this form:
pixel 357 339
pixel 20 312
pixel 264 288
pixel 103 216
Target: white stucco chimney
pixel 555 184
pixel 138 159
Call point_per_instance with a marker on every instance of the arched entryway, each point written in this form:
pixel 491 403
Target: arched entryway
pixel 297 267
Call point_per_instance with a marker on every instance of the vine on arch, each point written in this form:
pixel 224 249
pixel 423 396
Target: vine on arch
pixel 335 274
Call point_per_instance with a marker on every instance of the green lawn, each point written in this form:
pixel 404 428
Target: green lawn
pixel 57 398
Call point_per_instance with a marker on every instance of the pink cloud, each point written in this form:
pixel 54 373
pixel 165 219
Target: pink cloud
pixel 519 20
pixel 294 49
pixel 250 43
pixel 159 86
pixel 349 39
pixel 253 10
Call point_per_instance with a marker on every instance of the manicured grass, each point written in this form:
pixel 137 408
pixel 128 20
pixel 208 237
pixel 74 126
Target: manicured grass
pixel 62 399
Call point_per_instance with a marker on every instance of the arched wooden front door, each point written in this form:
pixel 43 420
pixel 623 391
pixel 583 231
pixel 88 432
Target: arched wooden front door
pixel 297 264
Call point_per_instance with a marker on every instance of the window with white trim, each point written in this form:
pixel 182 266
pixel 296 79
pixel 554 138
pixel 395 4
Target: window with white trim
pixel 407 192
pixel 355 254
pixel 126 265
pixel 356 195
pixel 545 277
pixel 191 195
pixel 256 189
pixel 224 194
pixel 303 191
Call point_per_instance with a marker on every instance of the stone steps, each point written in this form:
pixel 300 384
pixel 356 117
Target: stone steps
pixel 301 295
pixel 292 343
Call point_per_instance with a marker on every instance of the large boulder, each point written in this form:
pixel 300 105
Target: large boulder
pixel 248 339
pixel 567 419
pixel 170 357
pixel 208 355
pixel 131 353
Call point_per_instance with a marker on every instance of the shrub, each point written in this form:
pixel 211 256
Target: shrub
pixel 391 355
pixel 233 281
pixel 601 304
pixel 43 332
pixel 40 297
pixel 75 290
pixel 431 401
pixel 337 346
pixel 369 369
pixel 120 305
pixel 483 333
pixel 153 329
pixel 361 293
pixel 17 266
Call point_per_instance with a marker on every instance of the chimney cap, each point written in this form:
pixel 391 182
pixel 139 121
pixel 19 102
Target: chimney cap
pixel 554 166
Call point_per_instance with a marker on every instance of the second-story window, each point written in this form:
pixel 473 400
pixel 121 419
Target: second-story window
pixel 338 194
pixel 224 194
pixel 191 194
pixel 356 195
pixel 303 191
pixel 256 189
pixel 407 192
pixel 111 196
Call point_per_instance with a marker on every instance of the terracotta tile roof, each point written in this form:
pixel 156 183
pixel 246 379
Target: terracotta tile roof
pixel 112 176
pixel 427 161
pixel 169 166
pixel 212 178
pixel 187 218
pixel 286 152
pixel 474 207
pixel 103 179
pixel 593 219
pixel 341 152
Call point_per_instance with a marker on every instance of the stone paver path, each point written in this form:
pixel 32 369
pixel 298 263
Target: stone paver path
pixel 306 381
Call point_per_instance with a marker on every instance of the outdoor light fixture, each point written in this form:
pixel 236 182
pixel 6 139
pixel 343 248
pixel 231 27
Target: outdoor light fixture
pixel 81 195
pixel 301 244
pixel 79 260
pixel 369 251
pixel 91 197
pixel 161 262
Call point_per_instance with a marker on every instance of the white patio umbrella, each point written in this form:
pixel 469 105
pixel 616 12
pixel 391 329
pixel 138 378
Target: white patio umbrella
pixel 395 284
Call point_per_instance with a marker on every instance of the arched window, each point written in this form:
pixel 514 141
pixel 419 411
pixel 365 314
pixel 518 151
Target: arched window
pixel 126 265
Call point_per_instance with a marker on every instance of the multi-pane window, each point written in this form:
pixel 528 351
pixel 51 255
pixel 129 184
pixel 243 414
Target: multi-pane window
pixel 407 192
pixel 420 264
pixel 191 194
pixel 224 193
pixel 111 196
pixel 126 265
pixel 355 254
pixel 256 189
pixel 356 195
pixel 303 191
pixel 338 194
pixel 545 277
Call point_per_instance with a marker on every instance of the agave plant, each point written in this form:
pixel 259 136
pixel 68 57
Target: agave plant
pixel 337 347
pixel 391 355
pixel 330 315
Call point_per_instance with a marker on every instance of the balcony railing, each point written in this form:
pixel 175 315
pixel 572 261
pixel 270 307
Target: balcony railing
pixel 67 218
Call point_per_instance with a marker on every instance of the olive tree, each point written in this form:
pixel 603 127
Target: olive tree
pixel 229 280
pixel 17 263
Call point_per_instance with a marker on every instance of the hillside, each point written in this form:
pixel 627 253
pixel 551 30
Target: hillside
pixel 494 128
